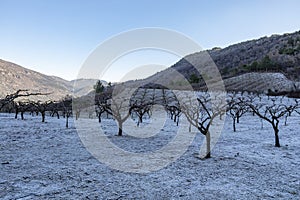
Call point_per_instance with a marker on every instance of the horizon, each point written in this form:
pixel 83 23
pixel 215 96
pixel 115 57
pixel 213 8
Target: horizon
pixel 55 38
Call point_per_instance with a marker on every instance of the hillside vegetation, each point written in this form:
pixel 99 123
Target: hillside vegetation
pixel 276 56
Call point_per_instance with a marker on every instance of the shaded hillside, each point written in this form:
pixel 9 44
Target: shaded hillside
pixel 14 77
pixel 278 53
pixel 274 55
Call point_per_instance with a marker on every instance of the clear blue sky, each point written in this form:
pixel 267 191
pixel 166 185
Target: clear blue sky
pixel 56 36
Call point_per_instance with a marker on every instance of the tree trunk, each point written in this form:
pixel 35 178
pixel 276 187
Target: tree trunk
pixel 43 116
pixel 277 144
pixel 67 121
pixel 237 119
pixel 285 121
pixel 120 129
pixel 233 124
pixel 99 118
pixel 22 115
pixel 16 115
pixel 207 136
pixel 140 119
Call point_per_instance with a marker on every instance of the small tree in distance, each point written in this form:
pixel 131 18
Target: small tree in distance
pixel 99 87
pixel 236 108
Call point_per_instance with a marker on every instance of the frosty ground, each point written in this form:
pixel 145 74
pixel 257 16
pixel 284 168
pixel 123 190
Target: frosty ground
pixel 48 161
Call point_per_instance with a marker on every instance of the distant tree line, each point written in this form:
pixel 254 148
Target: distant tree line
pixel 266 64
pixel 11 103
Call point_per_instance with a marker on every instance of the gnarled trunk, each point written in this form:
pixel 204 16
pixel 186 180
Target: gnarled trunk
pixel 16 114
pixel 99 117
pixel 277 144
pixel 120 128
pixel 67 121
pixel 233 124
pixel 57 115
pixel 43 116
pixel 276 131
pixel 207 136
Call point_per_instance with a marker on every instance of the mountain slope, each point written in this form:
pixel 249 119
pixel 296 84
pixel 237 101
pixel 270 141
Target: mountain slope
pixel 14 77
pixel 283 52
pixel 275 56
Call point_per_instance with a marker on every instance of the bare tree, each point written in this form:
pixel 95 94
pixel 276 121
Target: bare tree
pixel 270 110
pixel 141 103
pixel 55 108
pixel 42 107
pixel 236 108
pixel 140 110
pixel 174 110
pixel 296 107
pixel 22 107
pixel 118 107
pixel 172 105
pixel 291 107
pixel 67 108
pixel 201 113
pixel 101 103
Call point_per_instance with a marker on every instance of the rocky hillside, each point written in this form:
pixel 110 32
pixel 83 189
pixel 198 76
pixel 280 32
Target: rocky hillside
pixel 278 53
pixel 277 57
pixel 14 77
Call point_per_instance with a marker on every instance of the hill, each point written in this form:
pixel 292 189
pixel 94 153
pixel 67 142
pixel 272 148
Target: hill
pixel 256 65
pixel 14 77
